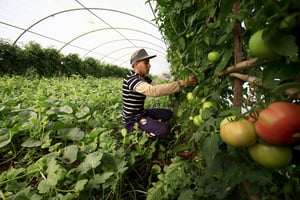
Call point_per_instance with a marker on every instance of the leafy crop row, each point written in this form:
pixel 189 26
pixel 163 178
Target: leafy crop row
pixel 60 138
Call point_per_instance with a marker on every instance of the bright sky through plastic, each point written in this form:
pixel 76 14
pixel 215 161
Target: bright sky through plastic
pixel 110 30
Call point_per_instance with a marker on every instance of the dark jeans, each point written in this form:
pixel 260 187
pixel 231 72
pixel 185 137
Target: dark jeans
pixel 152 122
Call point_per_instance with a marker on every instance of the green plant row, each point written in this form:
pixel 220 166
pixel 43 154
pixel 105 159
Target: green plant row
pixel 50 62
pixel 60 138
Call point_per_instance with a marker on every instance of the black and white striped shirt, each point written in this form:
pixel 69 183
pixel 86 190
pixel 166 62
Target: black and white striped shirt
pixel 133 102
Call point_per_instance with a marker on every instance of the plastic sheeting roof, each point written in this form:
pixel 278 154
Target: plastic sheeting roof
pixel 107 30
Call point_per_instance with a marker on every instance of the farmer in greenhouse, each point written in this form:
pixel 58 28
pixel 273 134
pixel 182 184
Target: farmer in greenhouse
pixel 136 86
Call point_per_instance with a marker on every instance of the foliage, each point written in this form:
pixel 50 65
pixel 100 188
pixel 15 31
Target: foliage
pixel 50 62
pixel 60 138
pixel 193 29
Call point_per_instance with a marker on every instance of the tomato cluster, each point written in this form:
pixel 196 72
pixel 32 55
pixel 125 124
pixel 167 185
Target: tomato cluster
pixel 268 133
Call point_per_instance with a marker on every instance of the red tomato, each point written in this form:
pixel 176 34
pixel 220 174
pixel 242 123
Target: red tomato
pixel 278 123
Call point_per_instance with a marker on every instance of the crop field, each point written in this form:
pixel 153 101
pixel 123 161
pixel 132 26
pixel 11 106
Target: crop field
pixel 60 138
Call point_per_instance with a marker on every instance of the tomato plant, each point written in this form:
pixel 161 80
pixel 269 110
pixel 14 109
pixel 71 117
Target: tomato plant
pixel 279 123
pixel 239 82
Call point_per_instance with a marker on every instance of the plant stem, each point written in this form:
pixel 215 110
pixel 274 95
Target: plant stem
pixel 240 66
pixel 247 78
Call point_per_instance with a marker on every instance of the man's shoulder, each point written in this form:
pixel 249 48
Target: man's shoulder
pixel 131 76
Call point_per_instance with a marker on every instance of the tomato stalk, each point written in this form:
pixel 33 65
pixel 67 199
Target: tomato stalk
pixel 240 66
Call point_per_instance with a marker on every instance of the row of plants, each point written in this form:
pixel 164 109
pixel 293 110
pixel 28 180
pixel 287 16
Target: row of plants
pixel 245 55
pixel 62 138
pixel 77 149
pixel 32 58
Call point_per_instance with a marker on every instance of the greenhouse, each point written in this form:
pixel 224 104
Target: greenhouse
pixel 86 115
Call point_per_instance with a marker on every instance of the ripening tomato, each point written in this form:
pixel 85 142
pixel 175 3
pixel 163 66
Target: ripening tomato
pixel 271 156
pixel 279 123
pixel 238 133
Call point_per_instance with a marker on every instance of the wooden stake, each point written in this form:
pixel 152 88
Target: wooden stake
pixel 238 54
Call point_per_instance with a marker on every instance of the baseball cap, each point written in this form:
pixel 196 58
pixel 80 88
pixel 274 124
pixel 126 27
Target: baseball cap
pixel 139 55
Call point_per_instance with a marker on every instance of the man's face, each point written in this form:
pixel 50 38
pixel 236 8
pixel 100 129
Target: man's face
pixel 142 67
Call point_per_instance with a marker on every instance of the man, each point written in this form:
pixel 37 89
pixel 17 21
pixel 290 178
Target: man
pixel 136 86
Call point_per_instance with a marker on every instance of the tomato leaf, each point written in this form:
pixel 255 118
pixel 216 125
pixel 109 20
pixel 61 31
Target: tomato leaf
pixel 282 44
pixel 211 147
pixel 186 194
pixel 274 73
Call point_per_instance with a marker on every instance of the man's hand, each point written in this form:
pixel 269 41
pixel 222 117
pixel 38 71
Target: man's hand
pixel 192 82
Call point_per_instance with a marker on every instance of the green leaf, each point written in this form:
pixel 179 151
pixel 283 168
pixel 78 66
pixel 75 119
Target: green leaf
pixel 226 8
pixel 71 133
pixel 70 153
pixel 277 72
pixel 105 176
pixel 186 194
pixel 181 43
pixel 224 61
pixel 32 142
pixel 55 126
pixel 64 109
pixel 5 138
pixel 91 161
pixel 12 172
pixel 43 187
pixel 80 185
pixel 82 112
pixel 54 172
pixel 211 147
pixel 282 44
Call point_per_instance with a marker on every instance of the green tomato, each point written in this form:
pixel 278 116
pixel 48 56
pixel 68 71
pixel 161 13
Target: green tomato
pixel 207 104
pixel 271 156
pixel 197 120
pixel 190 96
pixel 213 56
pixel 259 47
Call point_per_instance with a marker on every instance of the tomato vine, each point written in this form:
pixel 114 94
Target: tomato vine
pixel 239 83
